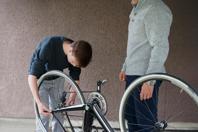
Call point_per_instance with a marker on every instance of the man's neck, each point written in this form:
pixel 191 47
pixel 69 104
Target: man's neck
pixel 134 2
pixel 66 47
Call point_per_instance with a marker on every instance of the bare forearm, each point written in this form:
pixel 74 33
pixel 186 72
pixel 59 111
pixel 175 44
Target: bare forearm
pixel 32 81
pixel 73 90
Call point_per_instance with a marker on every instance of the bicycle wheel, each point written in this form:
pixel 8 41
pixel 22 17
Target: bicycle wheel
pixel 177 103
pixel 55 90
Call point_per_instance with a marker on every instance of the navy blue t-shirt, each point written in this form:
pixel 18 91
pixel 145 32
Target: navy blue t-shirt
pixel 49 55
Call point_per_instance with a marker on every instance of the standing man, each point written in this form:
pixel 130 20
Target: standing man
pixel 147 51
pixel 56 53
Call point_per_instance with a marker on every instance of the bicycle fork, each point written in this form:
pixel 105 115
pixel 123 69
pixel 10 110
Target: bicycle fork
pixel 100 117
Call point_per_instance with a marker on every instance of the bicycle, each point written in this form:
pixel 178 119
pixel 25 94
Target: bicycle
pixel 95 106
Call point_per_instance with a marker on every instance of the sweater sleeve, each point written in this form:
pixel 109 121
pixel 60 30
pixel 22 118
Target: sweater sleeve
pixel 124 66
pixel 40 58
pixel 157 25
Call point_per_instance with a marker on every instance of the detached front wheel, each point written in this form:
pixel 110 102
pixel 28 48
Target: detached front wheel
pixel 174 99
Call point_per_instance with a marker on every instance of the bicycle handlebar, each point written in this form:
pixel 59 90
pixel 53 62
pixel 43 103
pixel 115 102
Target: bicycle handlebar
pixel 99 84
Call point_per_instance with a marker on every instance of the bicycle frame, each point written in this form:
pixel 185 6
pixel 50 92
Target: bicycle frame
pixel 87 107
pixel 93 107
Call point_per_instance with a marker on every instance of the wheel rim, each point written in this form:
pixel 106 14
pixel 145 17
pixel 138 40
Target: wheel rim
pixel 79 101
pixel 173 80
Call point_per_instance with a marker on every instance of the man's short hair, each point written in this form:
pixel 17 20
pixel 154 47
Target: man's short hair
pixel 82 50
pixel 68 40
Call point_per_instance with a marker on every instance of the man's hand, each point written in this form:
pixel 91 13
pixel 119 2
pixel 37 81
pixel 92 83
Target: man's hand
pixel 122 76
pixel 72 98
pixel 43 110
pixel 146 92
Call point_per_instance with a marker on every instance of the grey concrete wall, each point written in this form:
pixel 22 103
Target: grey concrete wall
pixel 101 22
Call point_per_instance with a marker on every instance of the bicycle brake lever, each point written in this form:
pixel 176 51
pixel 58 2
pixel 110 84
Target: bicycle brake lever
pixel 99 83
pixel 104 81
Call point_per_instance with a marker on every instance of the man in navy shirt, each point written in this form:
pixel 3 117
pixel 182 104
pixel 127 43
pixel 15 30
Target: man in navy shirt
pixel 56 53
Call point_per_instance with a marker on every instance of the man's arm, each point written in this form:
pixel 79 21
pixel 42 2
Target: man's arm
pixel 32 81
pixel 157 27
pixel 74 72
pixel 37 68
pixel 72 96
pixel 122 75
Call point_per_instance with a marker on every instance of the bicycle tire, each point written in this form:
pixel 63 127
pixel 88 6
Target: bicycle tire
pixel 158 76
pixel 72 84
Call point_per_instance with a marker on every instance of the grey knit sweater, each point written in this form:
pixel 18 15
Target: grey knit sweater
pixel 148 32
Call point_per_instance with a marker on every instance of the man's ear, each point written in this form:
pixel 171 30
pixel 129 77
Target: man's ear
pixel 70 48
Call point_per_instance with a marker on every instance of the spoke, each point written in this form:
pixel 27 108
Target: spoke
pixel 140 125
pixel 75 115
pixel 140 117
pixel 176 106
pixel 145 129
pixel 171 118
pixel 150 112
pixel 146 106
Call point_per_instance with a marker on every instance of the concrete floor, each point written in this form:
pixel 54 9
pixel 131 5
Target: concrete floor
pixel 28 125
pixel 17 125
